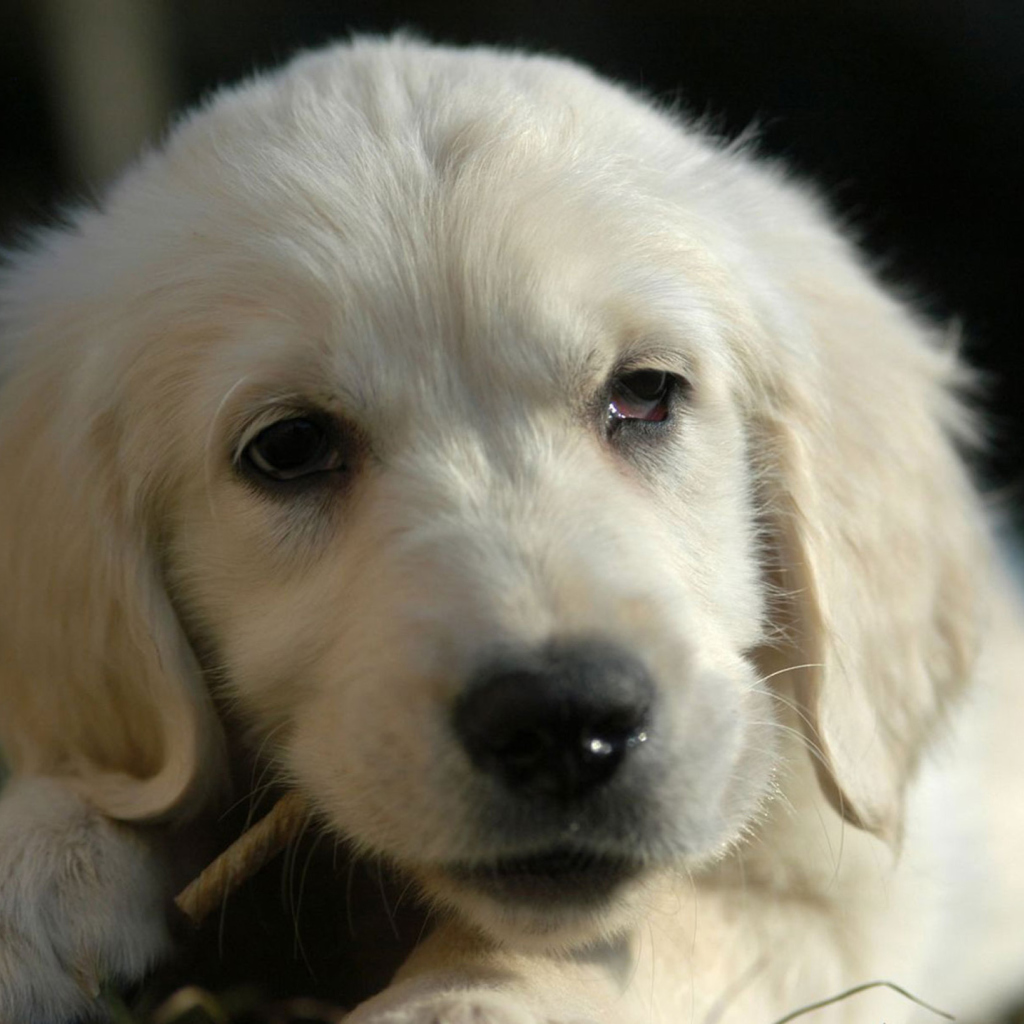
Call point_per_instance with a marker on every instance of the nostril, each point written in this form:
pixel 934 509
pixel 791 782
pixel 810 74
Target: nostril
pixel 559 722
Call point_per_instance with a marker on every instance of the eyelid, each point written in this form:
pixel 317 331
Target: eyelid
pixel 676 366
pixel 265 418
pixel 661 360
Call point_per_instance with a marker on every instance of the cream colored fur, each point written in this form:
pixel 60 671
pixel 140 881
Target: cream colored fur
pixel 453 251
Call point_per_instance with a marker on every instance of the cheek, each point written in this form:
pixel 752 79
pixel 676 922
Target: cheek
pixel 710 516
pixel 722 722
pixel 265 629
pixel 370 744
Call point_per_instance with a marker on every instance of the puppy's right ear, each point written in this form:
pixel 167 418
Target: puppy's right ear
pixel 98 684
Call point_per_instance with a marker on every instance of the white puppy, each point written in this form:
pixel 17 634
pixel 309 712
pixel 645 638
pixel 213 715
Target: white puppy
pixel 556 497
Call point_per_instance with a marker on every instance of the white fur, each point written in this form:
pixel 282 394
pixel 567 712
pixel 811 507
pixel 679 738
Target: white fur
pixel 453 251
pixel 81 902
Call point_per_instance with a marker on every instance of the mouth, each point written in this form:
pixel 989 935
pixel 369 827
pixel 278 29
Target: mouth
pixel 562 875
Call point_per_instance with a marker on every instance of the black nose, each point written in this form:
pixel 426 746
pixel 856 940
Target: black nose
pixel 560 721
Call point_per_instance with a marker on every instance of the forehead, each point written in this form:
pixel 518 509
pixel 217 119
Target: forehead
pixel 345 237
pixel 440 306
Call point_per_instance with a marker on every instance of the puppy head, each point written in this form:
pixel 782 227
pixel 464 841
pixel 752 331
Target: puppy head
pixel 482 430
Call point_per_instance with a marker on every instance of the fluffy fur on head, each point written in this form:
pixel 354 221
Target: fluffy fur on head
pixel 452 266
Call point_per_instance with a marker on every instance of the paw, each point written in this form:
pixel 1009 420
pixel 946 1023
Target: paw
pixel 81 902
pixel 472 1006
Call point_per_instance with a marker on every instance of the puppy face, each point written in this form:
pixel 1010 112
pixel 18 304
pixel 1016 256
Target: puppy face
pixel 459 408
pixel 475 425
pixel 471 451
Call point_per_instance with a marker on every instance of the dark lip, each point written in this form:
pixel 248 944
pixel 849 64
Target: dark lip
pixel 561 875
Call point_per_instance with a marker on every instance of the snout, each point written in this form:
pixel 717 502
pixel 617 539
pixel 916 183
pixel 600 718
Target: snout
pixel 556 724
pixel 561 738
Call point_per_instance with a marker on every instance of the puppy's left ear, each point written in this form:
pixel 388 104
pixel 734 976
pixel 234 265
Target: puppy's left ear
pixel 879 551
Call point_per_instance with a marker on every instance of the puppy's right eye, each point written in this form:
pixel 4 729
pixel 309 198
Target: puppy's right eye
pixel 293 448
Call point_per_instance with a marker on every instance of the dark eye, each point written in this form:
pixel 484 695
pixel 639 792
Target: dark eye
pixel 641 395
pixel 294 448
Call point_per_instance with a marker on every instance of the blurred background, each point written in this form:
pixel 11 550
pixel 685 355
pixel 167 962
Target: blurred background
pixel 910 113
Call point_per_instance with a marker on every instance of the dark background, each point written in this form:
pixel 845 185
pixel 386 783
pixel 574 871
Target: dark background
pixel 909 112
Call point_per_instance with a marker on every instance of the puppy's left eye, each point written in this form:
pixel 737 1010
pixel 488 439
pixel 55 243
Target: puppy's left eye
pixel 641 395
pixel 293 448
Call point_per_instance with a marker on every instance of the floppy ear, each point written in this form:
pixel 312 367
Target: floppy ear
pixel 97 681
pixel 878 532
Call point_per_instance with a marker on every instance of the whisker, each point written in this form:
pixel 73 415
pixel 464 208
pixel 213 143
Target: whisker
pixel 349 880
pixel 209 459
pixel 801 738
pixel 288 894
pixel 297 910
pixel 735 990
pixel 788 668
pixel 384 899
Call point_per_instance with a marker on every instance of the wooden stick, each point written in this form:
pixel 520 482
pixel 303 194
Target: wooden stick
pixel 243 858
